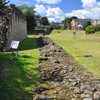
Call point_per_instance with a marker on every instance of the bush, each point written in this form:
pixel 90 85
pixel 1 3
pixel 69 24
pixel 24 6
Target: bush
pixel 90 29
pixel 62 28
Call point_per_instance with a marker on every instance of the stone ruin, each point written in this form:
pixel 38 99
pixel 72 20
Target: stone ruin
pixel 61 77
pixel 12 27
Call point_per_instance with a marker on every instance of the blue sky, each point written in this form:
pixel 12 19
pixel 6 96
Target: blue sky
pixel 57 10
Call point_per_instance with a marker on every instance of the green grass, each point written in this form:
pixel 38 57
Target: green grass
pixel 19 75
pixel 80 46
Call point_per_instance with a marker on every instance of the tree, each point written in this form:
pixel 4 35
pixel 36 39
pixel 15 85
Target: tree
pixel 30 16
pixel 88 23
pixel 44 21
pixel 3 5
pixel 73 17
pixel 27 10
pixel 68 22
pixel 90 29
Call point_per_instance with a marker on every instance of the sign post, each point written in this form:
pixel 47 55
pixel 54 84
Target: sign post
pixel 14 45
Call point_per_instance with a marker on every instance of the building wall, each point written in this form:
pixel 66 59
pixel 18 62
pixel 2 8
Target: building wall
pixel 17 26
pixel 96 23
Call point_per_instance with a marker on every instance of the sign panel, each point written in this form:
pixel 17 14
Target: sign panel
pixel 14 44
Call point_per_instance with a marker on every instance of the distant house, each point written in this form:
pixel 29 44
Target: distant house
pixel 96 22
pixel 57 25
pixel 79 24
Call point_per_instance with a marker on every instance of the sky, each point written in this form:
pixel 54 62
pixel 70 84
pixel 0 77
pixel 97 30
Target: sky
pixel 57 10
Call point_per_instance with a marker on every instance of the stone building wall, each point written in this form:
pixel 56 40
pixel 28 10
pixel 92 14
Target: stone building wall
pixel 17 25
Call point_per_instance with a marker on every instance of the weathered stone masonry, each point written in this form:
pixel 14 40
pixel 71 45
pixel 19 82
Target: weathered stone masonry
pixel 15 26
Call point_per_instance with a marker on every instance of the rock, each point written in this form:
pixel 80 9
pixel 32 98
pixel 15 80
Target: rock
pixel 43 59
pixel 73 99
pixel 56 61
pixel 98 86
pixel 43 97
pixel 88 92
pixel 77 90
pixel 88 98
pixel 97 95
pixel 63 72
pixel 74 83
pixel 40 89
pixel 70 69
pixel 65 81
pixel 44 78
pixel 85 95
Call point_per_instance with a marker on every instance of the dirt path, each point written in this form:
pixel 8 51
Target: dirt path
pixel 61 78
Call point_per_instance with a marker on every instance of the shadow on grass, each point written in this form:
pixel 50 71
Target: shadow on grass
pixel 19 76
pixel 28 44
pixel 16 79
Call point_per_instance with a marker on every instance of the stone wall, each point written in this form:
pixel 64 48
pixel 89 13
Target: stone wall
pixel 17 28
pixel 15 24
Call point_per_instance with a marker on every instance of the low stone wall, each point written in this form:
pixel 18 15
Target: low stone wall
pixel 61 77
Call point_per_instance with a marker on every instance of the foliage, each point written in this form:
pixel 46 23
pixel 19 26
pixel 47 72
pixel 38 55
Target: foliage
pixel 90 29
pixel 30 22
pixel 62 28
pixel 73 17
pixel 3 7
pixel 30 16
pixel 3 3
pixel 88 24
pixel 68 22
pixel 27 10
pixel 44 21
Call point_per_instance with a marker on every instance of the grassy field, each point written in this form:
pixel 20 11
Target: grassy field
pixel 19 75
pixel 84 48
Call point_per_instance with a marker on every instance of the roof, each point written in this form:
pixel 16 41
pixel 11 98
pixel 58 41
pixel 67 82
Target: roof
pixel 82 20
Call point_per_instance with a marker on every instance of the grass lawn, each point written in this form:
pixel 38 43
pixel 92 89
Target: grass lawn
pixel 79 47
pixel 20 75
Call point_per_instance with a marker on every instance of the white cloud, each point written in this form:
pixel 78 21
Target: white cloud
pixel 52 19
pixel 54 11
pixel 54 14
pixel 88 3
pixel 79 13
pixel 91 9
pixel 48 1
pixel 40 8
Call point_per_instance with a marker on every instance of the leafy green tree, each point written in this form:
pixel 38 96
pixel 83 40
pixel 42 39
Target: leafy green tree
pixel 3 5
pixel 68 22
pixel 44 21
pixel 30 16
pixel 90 29
pixel 88 23
pixel 27 10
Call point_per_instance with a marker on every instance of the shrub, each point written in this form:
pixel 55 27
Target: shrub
pixel 90 29
pixel 62 28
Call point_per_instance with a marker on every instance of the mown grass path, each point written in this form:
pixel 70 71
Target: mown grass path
pixel 19 76
pixel 84 48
